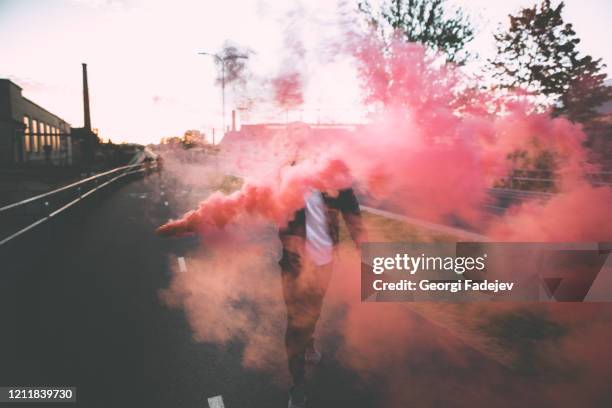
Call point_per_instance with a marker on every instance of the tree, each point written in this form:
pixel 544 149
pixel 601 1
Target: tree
pixel 539 54
pixel 236 70
pixel 422 21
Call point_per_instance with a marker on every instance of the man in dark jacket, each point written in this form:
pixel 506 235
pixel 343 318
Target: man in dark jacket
pixel 309 242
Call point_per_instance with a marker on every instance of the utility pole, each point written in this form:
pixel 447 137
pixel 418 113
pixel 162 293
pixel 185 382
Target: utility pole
pixel 223 60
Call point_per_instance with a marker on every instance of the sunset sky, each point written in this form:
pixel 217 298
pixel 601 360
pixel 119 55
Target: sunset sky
pixel 147 80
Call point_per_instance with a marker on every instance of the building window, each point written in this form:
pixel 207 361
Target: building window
pixel 41 136
pixel 49 135
pixel 26 134
pixel 35 144
pixel 44 133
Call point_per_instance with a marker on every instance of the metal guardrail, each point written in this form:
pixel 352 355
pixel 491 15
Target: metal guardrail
pixel 438 228
pixel 540 180
pixel 54 202
pixel 519 194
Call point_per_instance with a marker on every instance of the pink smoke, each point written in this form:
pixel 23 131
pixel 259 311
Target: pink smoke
pixel 288 90
pixel 274 203
pixel 432 152
pixel 288 85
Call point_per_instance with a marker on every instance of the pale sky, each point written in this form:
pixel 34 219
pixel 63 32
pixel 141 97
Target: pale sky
pixel 147 81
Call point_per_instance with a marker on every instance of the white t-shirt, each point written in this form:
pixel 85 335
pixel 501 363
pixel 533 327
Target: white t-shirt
pixel 319 245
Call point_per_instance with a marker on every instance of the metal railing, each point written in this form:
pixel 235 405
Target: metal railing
pixel 544 180
pixel 25 215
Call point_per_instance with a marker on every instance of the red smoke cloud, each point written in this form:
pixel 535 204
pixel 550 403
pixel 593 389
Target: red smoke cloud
pixel 288 90
pixel 288 85
pixel 428 155
pixel 234 297
pixel 581 214
pixel 273 202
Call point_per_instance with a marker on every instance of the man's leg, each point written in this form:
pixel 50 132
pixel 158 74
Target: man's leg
pixel 322 276
pixel 295 335
pixel 299 322
pixel 304 287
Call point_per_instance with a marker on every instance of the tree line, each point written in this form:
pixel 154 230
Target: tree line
pixel 537 51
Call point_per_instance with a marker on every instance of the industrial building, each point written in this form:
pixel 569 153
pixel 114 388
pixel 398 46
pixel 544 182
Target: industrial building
pixel 260 135
pixel 29 133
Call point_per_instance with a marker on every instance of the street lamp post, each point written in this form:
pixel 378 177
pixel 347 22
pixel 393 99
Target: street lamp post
pixel 223 60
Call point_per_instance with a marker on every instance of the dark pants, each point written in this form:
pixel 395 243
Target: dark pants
pixel 304 286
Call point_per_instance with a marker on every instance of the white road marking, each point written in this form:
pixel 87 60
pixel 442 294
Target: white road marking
pixel 182 264
pixel 166 203
pixel 216 402
pixel 162 193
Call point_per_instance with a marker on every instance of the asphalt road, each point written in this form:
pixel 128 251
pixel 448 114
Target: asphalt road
pixel 79 307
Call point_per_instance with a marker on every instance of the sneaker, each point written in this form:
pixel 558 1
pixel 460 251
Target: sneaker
pixel 297 397
pixel 312 355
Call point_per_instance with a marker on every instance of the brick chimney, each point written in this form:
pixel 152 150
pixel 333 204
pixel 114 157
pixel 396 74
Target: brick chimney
pixel 87 118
